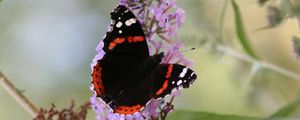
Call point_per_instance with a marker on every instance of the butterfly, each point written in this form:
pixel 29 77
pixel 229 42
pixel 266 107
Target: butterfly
pixel 127 77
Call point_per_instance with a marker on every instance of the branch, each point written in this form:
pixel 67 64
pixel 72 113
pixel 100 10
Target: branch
pixel 263 64
pixel 18 96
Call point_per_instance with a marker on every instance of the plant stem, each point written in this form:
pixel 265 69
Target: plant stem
pixel 221 22
pixel 263 64
pixel 18 96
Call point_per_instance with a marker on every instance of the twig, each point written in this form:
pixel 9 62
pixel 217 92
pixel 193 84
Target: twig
pixel 18 96
pixel 166 109
pixel 263 64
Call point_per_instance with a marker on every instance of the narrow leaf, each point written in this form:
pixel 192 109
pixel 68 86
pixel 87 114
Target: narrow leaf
pixel 188 115
pixel 286 110
pixel 239 27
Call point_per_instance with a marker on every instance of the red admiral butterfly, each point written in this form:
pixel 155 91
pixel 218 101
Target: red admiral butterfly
pixel 127 78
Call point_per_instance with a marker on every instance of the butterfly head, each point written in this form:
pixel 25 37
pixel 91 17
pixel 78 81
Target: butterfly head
pixel 158 57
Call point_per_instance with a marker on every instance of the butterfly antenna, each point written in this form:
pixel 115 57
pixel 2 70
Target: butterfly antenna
pixel 184 51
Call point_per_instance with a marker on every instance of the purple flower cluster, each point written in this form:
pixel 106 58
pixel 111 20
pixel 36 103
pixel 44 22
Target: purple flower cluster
pixel 167 21
pixel 159 16
pixel 161 20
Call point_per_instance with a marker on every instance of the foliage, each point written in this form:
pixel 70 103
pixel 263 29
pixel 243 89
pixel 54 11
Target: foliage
pixel 286 110
pixel 240 31
pixel 189 115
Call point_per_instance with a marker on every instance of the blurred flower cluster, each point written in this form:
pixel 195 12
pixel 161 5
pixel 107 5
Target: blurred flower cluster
pixel 296 46
pixel 160 20
pixel 280 10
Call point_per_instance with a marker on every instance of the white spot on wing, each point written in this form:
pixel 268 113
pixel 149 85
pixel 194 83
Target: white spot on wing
pixel 120 31
pixel 182 74
pixel 128 23
pixel 179 82
pixel 173 82
pixel 119 24
pixel 132 20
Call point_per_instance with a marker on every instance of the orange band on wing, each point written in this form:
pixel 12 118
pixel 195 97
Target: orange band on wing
pixel 115 42
pixel 135 39
pixel 163 88
pixel 112 46
pixel 130 39
pixel 170 69
pixel 128 109
pixel 97 80
pixel 165 85
pixel 138 39
pixel 121 40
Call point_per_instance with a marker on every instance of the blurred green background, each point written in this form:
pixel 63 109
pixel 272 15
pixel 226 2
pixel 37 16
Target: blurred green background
pixel 46 47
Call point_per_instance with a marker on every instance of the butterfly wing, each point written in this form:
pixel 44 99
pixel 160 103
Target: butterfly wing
pixel 163 80
pixel 176 77
pixel 125 47
pixel 114 76
pixel 125 36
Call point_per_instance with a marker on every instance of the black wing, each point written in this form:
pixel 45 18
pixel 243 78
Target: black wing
pixel 126 48
pixel 164 79
pixel 125 36
pixel 176 77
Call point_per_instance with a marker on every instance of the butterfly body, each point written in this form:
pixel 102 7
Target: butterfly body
pixel 127 77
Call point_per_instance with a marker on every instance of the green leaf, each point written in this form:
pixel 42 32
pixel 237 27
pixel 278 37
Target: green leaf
pixel 188 115
pixel 286 110
pixel 239 27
